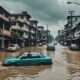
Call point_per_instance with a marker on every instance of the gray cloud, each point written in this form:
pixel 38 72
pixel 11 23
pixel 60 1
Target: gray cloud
pixel 52 12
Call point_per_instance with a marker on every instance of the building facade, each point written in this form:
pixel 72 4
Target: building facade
pixel 20 24
pixel 5 32
pixel 18 28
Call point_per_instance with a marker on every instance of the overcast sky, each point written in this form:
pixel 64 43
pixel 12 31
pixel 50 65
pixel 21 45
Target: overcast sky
pixel 51 12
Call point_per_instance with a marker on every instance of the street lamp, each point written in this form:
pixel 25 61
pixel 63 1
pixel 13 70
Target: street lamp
pixel 73 3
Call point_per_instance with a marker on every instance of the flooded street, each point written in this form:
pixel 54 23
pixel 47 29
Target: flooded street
pixel 66 66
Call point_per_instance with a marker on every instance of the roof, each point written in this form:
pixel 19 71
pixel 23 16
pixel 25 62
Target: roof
pixel 1 8
pixel 40 27
pixel 78 16
pixel 34 21
pixel 24 13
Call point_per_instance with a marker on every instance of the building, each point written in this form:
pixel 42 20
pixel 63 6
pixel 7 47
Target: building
pixel 33 32
pixel 18 28
pixel 61 36
pixel 20 23
pixel 72 29
pixel 46 35
pixel 40 34
pixel 5 33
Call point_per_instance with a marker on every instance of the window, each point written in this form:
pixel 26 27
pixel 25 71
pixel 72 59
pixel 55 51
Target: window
pixel 35 55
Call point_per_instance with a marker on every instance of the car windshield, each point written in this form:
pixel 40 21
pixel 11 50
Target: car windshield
pixel 19 55
pixel 50 44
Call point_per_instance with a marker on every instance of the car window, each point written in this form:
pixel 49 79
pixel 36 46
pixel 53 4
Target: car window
pixel 22 54
pixel 29 55
pixel 23 57
pixel 36 56
pixel 26 56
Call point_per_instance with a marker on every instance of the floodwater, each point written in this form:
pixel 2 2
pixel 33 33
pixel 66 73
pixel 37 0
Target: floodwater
pixel 66 66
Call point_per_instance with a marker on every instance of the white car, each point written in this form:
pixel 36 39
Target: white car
pixel 13 47
pixel 74 46
pixel 40 44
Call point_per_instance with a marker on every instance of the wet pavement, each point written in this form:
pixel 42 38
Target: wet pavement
pixel 66 66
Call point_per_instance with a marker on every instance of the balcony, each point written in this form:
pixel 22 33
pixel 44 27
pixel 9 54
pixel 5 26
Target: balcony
pixel 25 35
pixel 3 17
pixel 33 32
pixel 24 29
pixel 77 34
pixel 15 27
pixel 23 20
pixel 5 32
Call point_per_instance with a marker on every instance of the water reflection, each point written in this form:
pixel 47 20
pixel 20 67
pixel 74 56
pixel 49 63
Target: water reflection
pixel 66 66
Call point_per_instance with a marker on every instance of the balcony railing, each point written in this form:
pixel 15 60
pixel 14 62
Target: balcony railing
pixel 23 20
pixel 32 31
pixel 3 17
pixel 15 27
pixel 77 34
pixel 24 29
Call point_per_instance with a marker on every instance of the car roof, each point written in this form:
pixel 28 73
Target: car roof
pixel 50 44
pixel 31 53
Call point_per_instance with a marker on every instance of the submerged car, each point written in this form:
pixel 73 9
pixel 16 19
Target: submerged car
pixel 13 47
pixel 50 46
pixel 28 58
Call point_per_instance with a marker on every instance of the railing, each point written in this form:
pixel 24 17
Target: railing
pixel 23 20
pixel 32 31
pixel 77 34
pixel 24 29
pixel 3 17
pixel 15 27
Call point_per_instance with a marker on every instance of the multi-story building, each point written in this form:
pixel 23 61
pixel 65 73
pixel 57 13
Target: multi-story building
pixel 46 34
pixel 40 34
pixel 20 24
pixel 33 32
pixel 75 29
pixel 61 36
pixel 5 33
pixel 18 28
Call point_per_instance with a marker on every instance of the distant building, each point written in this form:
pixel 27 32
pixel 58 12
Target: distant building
pixel 40 33
pixel 33 32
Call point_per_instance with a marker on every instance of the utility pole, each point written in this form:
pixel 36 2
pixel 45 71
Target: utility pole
pixel 71 24
pixel 71 16
pixel 47 33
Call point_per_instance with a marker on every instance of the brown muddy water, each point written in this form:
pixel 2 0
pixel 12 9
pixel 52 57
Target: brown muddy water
pixel 66 66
